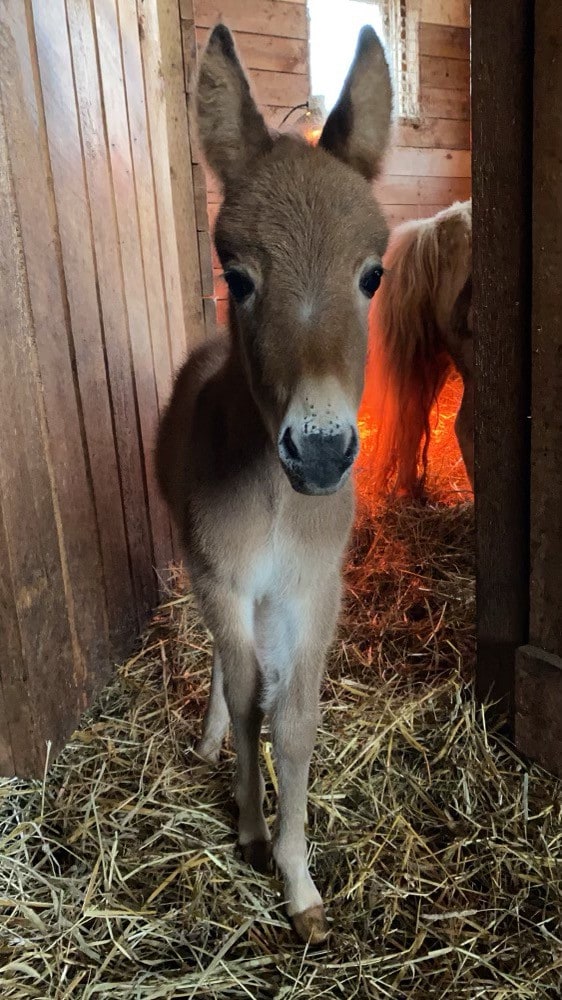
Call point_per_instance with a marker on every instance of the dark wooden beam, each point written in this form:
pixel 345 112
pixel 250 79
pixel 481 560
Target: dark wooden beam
pixel 538 684
pixel 538 707
pixel 546 434
pixel 502 108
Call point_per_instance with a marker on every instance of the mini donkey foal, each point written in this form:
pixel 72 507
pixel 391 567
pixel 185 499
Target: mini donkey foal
pixel 256 448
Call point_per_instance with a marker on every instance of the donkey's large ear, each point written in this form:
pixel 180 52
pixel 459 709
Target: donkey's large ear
pixel 232 131
pixel 358 128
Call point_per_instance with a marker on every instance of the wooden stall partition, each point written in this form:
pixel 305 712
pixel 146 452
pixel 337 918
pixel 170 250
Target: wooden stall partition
pixel 100 300
pixel 538 680
pixel 502 89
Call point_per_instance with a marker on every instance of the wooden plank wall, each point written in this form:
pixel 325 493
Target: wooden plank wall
pixel 100 299
pixel 429 165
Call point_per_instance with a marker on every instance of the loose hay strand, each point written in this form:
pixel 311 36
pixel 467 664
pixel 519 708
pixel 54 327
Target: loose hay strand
pixel 438 850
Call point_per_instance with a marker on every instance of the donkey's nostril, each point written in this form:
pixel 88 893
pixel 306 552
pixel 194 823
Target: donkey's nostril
pixel 352 448
pixel 289 446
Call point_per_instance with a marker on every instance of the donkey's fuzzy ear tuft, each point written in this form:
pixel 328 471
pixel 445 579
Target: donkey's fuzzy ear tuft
pixel 233 133
pixel 358 128
pixel 221 36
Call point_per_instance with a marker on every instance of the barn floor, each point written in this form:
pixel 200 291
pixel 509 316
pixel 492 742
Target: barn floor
pixel 438 850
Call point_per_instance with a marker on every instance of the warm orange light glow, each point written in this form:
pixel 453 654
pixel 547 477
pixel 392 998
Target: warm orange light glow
pixel 312 135
pixel 447 478
pixel 445 462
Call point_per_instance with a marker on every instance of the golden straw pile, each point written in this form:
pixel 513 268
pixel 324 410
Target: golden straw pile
pixel 439 852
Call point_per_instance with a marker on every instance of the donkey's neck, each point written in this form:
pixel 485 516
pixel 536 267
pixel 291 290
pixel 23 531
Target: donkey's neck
pixel 240 404
pixel 240 435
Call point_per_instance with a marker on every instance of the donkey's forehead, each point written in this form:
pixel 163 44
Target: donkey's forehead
pixel 304 196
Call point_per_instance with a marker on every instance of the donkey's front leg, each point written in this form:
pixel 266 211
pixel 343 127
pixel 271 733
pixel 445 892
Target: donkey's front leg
pixel 294 722
pixel 242 690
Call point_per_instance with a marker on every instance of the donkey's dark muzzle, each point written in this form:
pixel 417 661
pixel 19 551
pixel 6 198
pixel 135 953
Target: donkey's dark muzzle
pixel 319 463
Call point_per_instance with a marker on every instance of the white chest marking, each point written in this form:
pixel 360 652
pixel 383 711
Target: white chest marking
pixel 275 615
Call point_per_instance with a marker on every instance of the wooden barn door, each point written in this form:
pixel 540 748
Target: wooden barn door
pixel 100 299
pixel 517 187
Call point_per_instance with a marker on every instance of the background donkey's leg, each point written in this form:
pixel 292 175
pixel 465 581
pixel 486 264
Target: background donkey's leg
pixel 460 344
pixel 464 428
pixel 215 723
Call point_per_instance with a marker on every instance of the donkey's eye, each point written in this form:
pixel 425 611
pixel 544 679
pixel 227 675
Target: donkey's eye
pixel 240 284
pixel 370 281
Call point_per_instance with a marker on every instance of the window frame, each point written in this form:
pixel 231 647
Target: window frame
pixel 401 19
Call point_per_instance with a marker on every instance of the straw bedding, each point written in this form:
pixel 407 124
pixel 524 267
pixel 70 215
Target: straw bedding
pixel 438 850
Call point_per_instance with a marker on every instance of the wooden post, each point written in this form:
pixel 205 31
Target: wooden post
pixel 502 47
pixel 538 721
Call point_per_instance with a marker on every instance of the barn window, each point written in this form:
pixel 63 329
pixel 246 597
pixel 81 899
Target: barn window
pixel 334 26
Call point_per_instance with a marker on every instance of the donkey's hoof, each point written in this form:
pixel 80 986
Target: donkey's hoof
pixel 311 925
pixel 257 853
pixel 207 751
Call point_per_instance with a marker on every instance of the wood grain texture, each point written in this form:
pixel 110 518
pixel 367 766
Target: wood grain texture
pixel 23 469
pixel 502 112
pixel 100 280
pixel 123 175
pixel 53 564
pixel 412 162
pixel 445 73
pixel 67 456
pixel 161 313
pixel 268 52
pixel 211 323
pixel 438 103
pixel 261 17
pixel 200 196
pixel 435 133
pixel 395 215
pixel 80 287
pixel 7 766
pixel 113 304
pixel 546 436
pixel 279 90
pixel 198 170
pixel 442 40
pixel 206 263
pixel 449 12
pixel 161 46
pixel 19 748
pixel 538 707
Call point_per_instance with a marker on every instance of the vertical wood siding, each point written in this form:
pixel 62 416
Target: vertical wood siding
pixel 100 301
